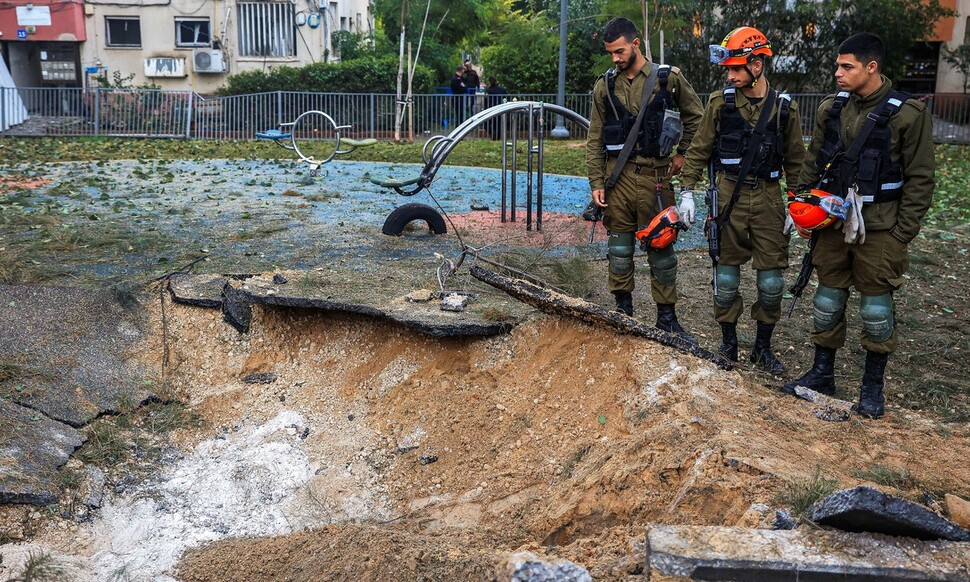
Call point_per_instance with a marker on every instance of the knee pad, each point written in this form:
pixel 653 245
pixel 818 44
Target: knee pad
pixel 829 307
pixel 620 252
pixel 663 266
pixel 728 281
pixel 771 286
pixel 876 312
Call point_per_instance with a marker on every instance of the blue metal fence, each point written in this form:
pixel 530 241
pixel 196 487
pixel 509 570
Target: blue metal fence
pixel 184 114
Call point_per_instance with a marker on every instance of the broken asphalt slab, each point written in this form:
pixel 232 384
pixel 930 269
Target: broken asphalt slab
pixel 32 447
pixel 62 364
pixel 761 555
pixel 365 292
pixel 864 509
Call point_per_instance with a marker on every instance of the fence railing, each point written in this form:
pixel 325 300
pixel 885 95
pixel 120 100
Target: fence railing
pixel 184 114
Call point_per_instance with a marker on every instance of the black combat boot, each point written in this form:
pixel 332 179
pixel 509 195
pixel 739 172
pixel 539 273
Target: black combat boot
pixel 667 321
pixel 762 354
pixel 729 341
pixel 872 404
pixel 821 378
pixel 624 302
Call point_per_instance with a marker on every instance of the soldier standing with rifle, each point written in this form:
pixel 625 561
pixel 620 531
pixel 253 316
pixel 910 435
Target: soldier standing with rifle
pixel 750 135
pixel 873 149
pixel 643 117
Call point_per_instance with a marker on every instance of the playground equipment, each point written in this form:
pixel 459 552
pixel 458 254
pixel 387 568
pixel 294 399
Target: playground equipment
pixel 320 136
pixel 508 117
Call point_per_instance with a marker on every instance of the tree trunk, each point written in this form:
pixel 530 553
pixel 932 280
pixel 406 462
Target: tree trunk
pixel 553 302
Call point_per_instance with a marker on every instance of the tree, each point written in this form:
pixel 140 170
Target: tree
pixel 525 55
pixel 959 59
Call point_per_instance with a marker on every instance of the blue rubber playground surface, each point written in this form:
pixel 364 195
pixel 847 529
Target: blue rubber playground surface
pixel 110 219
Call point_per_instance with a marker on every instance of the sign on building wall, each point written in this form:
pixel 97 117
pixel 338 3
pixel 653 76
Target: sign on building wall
pixel 33 15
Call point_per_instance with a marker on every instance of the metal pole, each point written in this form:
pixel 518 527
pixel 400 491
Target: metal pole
pixel 505 159
pixel 542 127
pixel 560 130
pixel 515 166
pixel 528 179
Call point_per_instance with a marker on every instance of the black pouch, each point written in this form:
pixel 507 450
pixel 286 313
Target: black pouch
pixel 730 146
pixel 867 174
pixel 614 135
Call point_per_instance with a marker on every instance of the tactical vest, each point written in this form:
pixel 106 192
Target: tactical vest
pixel 877 177
pixel 619 121
pixel 735 132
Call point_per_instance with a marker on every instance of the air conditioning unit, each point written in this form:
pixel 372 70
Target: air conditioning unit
pixel 208 61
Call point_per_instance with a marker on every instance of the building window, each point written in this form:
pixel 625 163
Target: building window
pixel 122 31
pixel 192 32
pixel 267 29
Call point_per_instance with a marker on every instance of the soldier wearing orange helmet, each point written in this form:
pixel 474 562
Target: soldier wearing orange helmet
pixel 752 135
pixel 873 147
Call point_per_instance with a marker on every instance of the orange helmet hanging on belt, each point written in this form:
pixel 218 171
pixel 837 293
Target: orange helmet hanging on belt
pixel 662 230
pixel 814 209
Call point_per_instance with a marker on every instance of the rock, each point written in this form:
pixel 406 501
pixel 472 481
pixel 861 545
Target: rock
pixel 29 457
pixel 829 409
pixel 959 510
pixel 279 279
pixel 529 567
pixel 760 555
pixel 260 378
pixel 864 509
pixel 454 301
pixel 784 520
pixel 755 517
pixel 93 487
pixel 420 296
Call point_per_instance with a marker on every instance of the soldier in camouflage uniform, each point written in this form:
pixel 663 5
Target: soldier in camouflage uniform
pixel 632 202
pixel 894 177
pixel 753 230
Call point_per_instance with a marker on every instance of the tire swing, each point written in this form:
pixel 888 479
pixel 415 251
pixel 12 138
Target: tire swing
pixel 407 213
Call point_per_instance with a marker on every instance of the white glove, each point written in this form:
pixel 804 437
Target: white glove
pixel 789 224
pixel 854 227
pixel 687 209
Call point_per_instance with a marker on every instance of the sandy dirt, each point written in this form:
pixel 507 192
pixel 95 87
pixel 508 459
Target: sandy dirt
pixel 437 458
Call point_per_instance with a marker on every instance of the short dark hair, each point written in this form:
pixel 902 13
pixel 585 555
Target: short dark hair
pixel 492 80
pixel 866 47
pixel 620 27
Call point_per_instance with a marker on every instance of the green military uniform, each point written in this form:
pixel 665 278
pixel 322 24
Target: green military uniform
pixel 754 231
pixel 875 268
pixel 632 202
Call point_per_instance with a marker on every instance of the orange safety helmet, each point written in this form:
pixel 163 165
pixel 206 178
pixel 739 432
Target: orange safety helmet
pixel 814 209
pixel 662 230
pixel 740 46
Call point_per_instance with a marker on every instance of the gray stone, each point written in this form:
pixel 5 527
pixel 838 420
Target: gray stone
pixel 866 509
pixel 529 567
pixel 829 409
pixel 33 448
pixel 93 487
pixel 260 378
pixel 199 290
pixel 802 555
pixel 454 301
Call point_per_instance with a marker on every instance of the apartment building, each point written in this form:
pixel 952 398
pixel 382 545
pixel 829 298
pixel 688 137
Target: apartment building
pixel 174 44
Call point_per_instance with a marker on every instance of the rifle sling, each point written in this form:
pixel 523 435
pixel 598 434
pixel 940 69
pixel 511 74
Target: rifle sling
pixel 631 138
pixel 754 146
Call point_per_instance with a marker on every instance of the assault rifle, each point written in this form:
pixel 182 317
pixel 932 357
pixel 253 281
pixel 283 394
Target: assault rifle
pixel 712 229
pixel 804 274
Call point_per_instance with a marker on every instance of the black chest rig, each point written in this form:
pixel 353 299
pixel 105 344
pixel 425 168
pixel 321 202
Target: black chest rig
pixel 619 121
pixel 734 135
pixel 877 177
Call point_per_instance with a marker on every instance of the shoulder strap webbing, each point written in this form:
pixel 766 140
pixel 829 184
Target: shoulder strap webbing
pixel 754 146
pixel 631 138
pixel 877 117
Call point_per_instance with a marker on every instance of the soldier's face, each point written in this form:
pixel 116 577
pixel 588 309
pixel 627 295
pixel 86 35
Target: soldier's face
pixel 852 75
pixel 623 52
pixel 738 76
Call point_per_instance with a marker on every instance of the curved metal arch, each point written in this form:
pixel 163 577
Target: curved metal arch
pixel 441 146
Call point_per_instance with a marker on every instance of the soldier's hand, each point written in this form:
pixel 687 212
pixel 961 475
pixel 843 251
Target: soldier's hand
pixel 676 163
pixel 599 198
pixel 687 208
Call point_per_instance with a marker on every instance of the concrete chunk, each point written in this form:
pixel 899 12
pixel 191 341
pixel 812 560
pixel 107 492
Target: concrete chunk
pixel 866 509
pixel 756 555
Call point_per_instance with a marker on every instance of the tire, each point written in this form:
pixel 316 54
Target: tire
pixel 405 214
